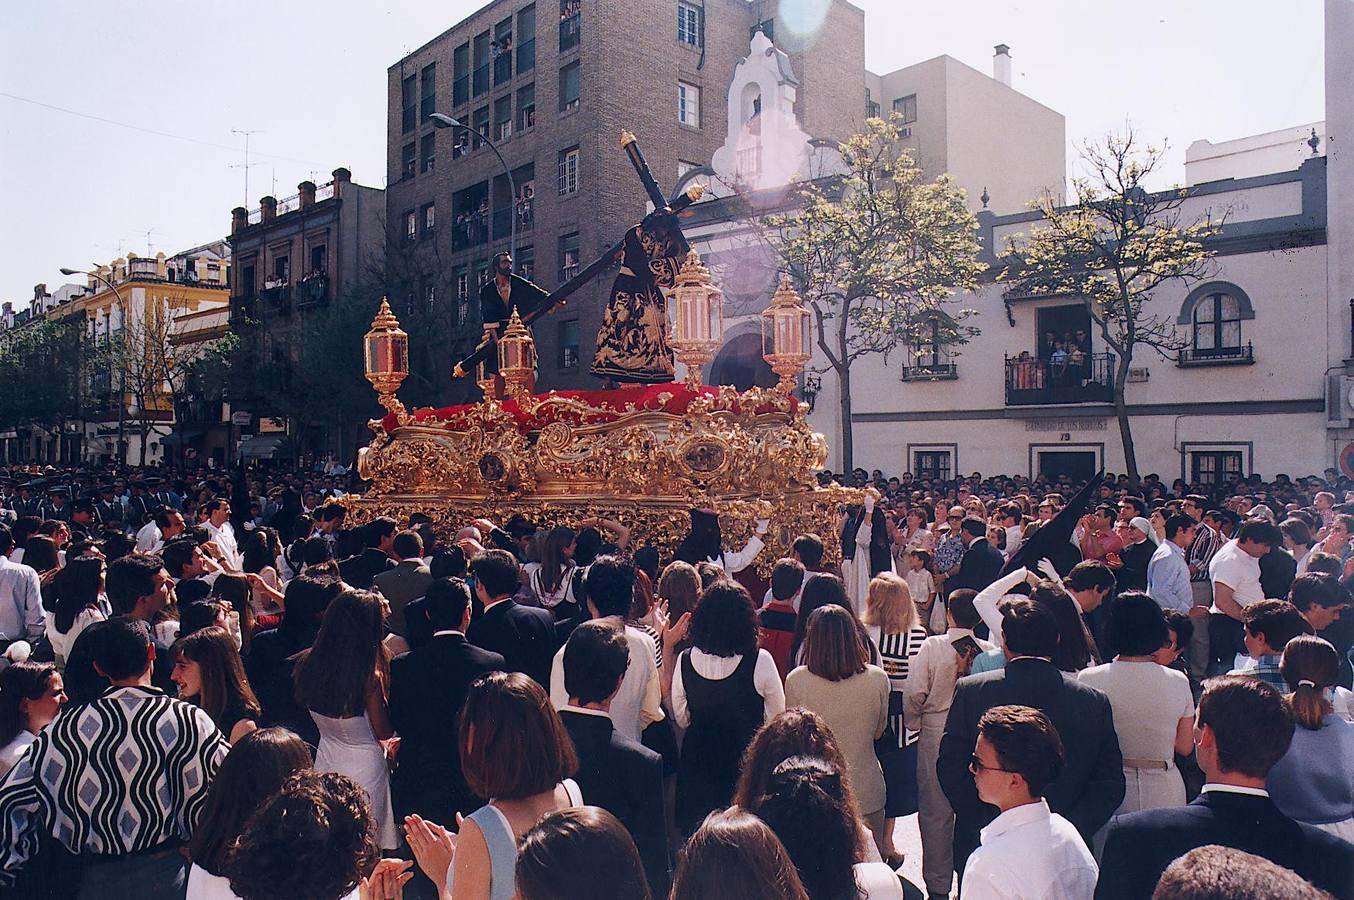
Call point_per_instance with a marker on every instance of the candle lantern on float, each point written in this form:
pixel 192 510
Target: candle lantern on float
pixel 386 349
pixel 517 358
pixel 785 344
pixel 698 328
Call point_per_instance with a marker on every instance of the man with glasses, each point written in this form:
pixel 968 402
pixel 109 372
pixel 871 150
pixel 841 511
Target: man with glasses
pixel 1028 850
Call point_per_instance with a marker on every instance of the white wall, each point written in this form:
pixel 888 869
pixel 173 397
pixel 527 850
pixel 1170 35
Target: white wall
pixel 1259 154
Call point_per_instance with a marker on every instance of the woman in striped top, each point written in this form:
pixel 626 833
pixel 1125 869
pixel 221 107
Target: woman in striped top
pixel 893 624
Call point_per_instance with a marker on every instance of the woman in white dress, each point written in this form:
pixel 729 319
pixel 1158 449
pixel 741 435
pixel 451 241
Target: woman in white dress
pixel 342 681
pixel 253 771
pixel 1153 707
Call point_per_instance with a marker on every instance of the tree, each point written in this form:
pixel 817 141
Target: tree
pixel 1114 247
pixel 40 377
pixel 877 254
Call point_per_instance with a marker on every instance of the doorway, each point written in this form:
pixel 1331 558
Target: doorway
pixel 1076 465
pixel 1065 324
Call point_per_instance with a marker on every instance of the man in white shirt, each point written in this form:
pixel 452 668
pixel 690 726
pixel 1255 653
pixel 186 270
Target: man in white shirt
pixel 1168 571
pixel 1027 851
pixel 223 533
pixel 167 525
pixel 20 596
pixel 638 700
pixel 1235 573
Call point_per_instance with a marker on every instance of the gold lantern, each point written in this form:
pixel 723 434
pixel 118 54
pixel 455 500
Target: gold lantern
pixel 387 358
pixel 517 358
pixel 784 341
pixel 698 328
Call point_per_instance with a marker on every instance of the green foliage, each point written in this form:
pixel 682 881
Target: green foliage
pixel 877 255
pixel 40 371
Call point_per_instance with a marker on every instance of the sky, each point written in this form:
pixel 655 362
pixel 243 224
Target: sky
pixel 309 77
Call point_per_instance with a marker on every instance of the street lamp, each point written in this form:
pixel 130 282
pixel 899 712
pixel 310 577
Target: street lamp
pixel 442 120
pixel 122 359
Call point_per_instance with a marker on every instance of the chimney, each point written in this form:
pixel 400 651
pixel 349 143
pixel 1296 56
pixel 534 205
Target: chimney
pixel 1001 64
pixel 341 177
pixel 268 208
pixel 39 291
pixel 307 193
pixel 239 219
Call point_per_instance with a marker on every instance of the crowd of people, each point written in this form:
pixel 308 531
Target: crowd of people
pixel 214 686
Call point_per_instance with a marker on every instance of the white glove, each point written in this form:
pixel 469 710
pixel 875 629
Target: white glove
pixel 1046 568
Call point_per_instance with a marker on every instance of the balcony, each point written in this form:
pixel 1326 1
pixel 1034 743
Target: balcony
pixel 470 230
pixel 313 290
pixel 502 219
pixel 1035 382
pixel 243 308
pixel 569 32
pixel 1194 358
pixel 931 372
pixel 503 67
pixel 277 298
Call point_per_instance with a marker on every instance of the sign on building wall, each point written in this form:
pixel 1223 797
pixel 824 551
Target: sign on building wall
pixel 1066 425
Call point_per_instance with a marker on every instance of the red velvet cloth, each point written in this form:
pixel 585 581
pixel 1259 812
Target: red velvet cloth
pixel 609 406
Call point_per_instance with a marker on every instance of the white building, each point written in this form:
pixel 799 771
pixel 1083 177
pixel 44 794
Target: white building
pixel 1268 330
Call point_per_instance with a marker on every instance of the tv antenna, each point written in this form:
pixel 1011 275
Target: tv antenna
pixel 246 165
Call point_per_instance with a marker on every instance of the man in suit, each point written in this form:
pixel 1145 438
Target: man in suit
pixel 407 581
pixel 982 562
pixel 1090 786
pixel 360 570
pixel 428 687
pixel 1241 730
pixel 620 775
pixel 524 635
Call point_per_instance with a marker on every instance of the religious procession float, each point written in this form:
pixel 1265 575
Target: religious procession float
pixel 646 454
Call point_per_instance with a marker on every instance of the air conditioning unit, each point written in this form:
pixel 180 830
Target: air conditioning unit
pixel 1139 374
pixel 1339 400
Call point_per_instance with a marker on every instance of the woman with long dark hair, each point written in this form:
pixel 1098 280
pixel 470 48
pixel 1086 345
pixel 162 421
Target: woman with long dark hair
pixel 253 772
pixel 806 808
pixel 561 855
pixel 343 679
pixel 261 551
pixel 734 854
pixel 31 694
pixel 552 579
pixel 78 602
pixel 209 673
pixel 724 688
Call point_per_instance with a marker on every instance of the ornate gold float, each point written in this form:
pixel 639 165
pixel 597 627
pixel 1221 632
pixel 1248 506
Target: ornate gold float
pixel 643 456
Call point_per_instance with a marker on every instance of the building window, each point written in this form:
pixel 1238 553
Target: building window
pixel 526 36
pixel 503 118
pixel 931 465
pixel 408 161
pixel 871 107
pixel 569 87
pixel 1215 467
pixel 1217 325
pixel 568 172
pixel 501 50
pixel 429 295
pixel 482 60
pixel 526 107
pixel 568 344
pixel 688 24
pixel 409 104
pixel 429 218
pixel 318 257
pixel 526 262
pixel 427 146
pixel 569 30
pixel 907 108
pixel 930 357
pixel 428 79
pixel 688 104
pixel 462 280
pixel 460 87
pixel 568 256
pixel 410 226
pixel 481 125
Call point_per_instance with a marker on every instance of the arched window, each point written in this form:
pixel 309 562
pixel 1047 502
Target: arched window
pixel 1214 313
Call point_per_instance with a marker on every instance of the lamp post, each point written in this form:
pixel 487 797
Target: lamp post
pixel 122 359
pixel 441 120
